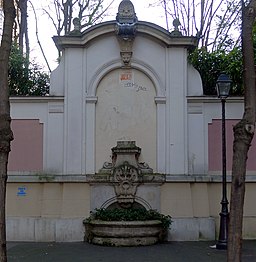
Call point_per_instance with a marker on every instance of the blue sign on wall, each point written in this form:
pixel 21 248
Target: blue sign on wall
pixel 22 191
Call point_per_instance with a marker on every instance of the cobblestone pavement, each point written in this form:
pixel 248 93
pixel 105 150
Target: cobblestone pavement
pixel 74 252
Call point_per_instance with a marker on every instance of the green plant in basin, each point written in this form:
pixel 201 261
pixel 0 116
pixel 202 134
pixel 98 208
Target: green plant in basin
pixel 129 214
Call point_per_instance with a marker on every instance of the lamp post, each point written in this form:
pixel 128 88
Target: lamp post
pixel 223 87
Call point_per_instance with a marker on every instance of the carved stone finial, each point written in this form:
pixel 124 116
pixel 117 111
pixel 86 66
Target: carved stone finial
pixel 176 23
pixel 126 29
pixel 77 27
pixel 126 13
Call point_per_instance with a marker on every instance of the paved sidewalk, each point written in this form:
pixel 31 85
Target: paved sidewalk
pixel 74 252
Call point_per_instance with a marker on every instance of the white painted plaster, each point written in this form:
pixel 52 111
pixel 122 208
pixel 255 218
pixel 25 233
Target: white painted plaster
pixel 57 79
pixel 73 107
pixel 126 110
pixel 192 229
pixel 195 86
pixel 45 229
pixel 177 114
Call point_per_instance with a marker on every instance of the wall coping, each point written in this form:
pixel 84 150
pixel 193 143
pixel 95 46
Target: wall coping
pixel 32 177
pixel 36 99
pixel 214 99
pixel 190 99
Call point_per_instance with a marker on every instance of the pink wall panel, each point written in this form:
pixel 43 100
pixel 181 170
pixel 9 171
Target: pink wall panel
pixel 27 147
pixel 215 146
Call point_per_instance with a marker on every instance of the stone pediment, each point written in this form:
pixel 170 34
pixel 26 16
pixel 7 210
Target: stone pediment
pixel 145 29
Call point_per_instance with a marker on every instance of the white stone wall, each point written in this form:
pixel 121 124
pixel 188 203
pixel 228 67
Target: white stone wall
pixel 89 109
pixel 201 112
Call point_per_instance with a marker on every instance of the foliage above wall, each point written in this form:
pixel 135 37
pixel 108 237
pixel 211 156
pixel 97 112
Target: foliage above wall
pixel 26 78
pixel 211 64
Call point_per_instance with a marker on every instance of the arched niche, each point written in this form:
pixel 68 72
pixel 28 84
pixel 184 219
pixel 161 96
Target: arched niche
pixel 126 110
pixel 112 65
pixel 138 203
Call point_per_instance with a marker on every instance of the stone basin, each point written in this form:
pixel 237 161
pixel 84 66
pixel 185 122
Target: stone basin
pixel 124 233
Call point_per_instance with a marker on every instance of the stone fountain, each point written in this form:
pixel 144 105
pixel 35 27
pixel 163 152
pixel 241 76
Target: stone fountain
pixel 126 182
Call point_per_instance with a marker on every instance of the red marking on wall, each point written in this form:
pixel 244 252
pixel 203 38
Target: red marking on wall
pixel 126 76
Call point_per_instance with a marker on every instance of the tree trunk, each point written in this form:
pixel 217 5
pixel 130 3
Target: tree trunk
pixel 23 24
pixel 5 130
pixel 242 142
pixel 243 135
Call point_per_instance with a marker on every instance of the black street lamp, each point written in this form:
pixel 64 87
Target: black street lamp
pixel 223 87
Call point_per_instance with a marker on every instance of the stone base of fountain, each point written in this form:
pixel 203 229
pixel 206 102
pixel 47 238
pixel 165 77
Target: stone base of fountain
pixel 124 233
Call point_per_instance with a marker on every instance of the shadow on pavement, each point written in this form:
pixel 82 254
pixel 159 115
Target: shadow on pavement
pixel 80 251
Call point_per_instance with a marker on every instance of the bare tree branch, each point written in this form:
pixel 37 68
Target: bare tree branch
pixel 89 12
pixel 199 17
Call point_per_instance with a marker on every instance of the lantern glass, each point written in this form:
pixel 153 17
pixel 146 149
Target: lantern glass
pixel 223 86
